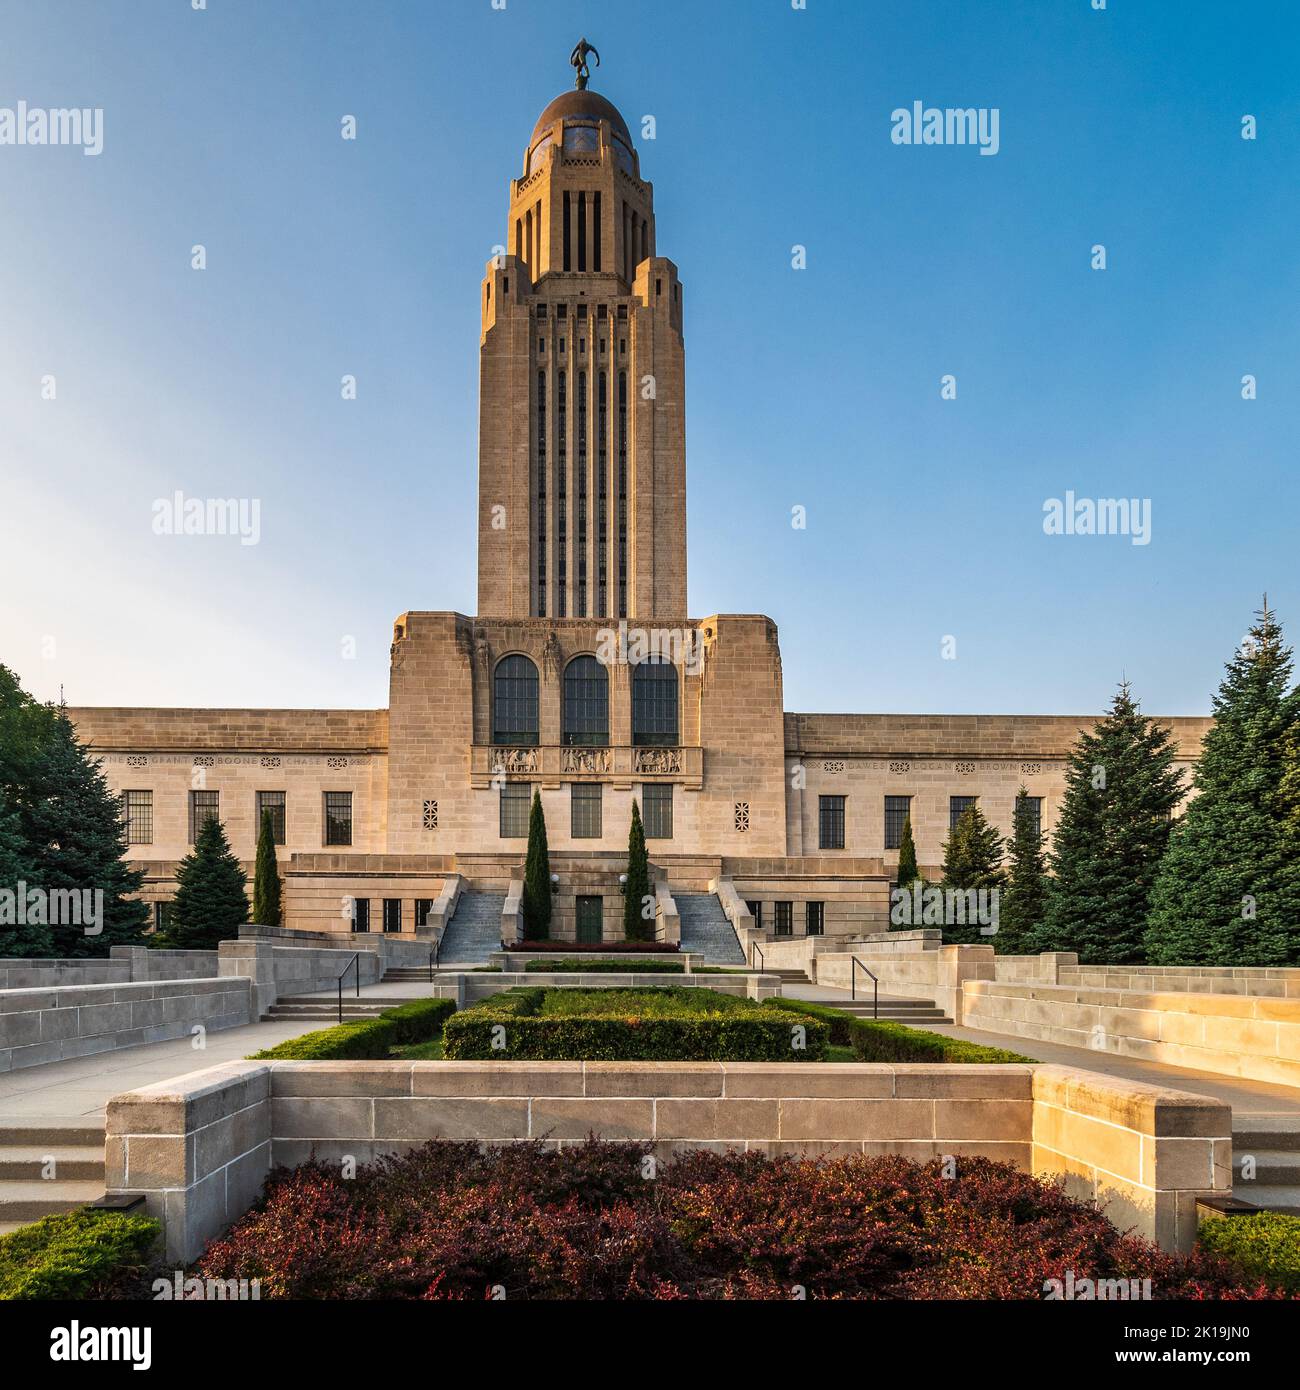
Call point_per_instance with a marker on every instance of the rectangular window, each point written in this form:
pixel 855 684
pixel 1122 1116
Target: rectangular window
pixel 657 810
pixel 585 810
pixel 516 801
pixel 137 816
pixel 203 805
pixel 956 805
pixel 784 919
pixel 815 919
pixel 274 803
pixel 423 907
pixel 830 822
pixel 1036 812
pixel 162 916
pixel 360 914
pixel 392 914
pixel 338 818
pixel 897 809
pixel 756 912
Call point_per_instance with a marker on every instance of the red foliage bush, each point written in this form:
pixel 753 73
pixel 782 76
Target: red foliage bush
pixel 603 948
pixel 595 1221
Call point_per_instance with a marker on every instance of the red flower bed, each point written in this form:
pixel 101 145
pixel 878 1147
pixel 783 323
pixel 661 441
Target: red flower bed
pixel 618 948
pixel 450 1222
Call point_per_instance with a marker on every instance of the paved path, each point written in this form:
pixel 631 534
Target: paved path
pixel 1245 1097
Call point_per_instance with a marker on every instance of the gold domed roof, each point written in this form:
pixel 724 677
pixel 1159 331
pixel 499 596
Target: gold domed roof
pixel 579 107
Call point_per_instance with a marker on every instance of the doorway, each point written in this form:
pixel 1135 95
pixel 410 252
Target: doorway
pixel 591 919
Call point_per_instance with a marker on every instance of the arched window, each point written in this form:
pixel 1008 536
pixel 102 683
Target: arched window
pixel 586 702
pixel 514 701
pixel 654 704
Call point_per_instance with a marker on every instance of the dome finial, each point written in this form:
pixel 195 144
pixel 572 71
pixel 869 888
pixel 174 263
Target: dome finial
pixel 578 59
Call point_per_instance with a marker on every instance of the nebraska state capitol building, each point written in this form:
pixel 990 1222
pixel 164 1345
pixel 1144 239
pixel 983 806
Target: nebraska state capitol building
pixel 583 675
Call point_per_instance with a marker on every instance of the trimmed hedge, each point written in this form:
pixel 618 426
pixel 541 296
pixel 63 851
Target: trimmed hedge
pixel 76 1254
pixel 738 1030
pixel 874 1041
pixel 610 967
pixel 840 1023
pixel 365 1039
pixel 1266 1246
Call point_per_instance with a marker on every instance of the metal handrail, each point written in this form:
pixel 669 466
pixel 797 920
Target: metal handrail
pixel 875 984
pixel 433 960
pixel 356 960
pixel 756 950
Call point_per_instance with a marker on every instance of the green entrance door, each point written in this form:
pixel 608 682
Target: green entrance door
pixel 590 919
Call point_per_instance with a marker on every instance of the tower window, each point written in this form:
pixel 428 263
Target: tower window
pixel 586 702
pixel 568 219
pixel 514 702
pixel 654 704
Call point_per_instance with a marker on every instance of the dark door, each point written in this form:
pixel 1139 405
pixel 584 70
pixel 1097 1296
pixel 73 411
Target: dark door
pixel 590 919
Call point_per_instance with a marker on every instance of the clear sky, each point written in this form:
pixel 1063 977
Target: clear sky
pixel 817 388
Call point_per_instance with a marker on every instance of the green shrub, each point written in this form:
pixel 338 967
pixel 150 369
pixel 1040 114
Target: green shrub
pixel 1266 1246
pixel 840 1023
pixel 610 967
pixel 874 1041
pixel 668 1025
pixel 365 1039
pixel 76 1254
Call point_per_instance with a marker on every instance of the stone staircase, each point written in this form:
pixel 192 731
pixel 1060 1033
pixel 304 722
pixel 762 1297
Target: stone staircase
pixel 1273 1141
pixel 325 1010
pixel 27 1147
pixel 474 932
pixel 706 933
pixel 920 1013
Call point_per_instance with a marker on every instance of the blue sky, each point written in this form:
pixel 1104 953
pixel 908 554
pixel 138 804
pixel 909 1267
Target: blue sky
pixel 817 388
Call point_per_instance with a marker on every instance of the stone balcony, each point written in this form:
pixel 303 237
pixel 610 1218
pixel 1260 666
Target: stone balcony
pixel 621 766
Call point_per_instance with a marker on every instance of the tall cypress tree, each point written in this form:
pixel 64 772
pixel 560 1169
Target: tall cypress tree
pixel 1228 892
pixel 908 873
pixel 635 925
pixel 972 858
pixel 1023 904
pixel 211 902
pixel 266 878
pixel 17 938
pixel 536 903
pixel 76 841
pixel 1121 791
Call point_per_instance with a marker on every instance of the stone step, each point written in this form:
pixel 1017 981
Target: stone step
pixel 1270 1198
pixel 1273 1168
pixel 27 1201
pixel 23 1163
pixel 66 1133
pixel 1276 1133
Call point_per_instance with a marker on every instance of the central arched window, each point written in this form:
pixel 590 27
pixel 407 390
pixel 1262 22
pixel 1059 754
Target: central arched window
pixel 586 702
pixel 654 704
pixel 514 701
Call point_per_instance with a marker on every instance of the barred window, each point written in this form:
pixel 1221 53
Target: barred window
pixel 516 800
pixel 657 810
pixel 957 805
pixel 585 810
pixel 137 817
pixel 830 822
pixel 784 920
pixel 274 803
pixel 897 810
pixel 586 702
pixel 1036 812
pixel 203 806
pixel 815 919
pixel 392 914
pixel 756 912
pixel 514 701
pixel 654 704
pixel 338 818
pixel 423 908
pixel 360 914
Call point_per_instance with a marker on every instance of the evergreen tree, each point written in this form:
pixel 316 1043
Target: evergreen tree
pixel 636 927
pixel 211 902
pixel 537 877
pixel 1121 792
pixel 17 939
pixel 76 841
pixel 1024 899
pixel 266 878
pixel 972 858
pixel 25 728
pixel 1228 891
pixel 908 873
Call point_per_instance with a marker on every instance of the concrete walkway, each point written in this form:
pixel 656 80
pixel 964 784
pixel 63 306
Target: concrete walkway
pixel 1245 1097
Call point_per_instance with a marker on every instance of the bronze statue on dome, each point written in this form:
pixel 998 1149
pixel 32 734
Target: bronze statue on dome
pixel 578 59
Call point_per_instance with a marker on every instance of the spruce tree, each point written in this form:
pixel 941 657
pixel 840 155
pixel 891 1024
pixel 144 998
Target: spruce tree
pixel 537 877
pixel 25 728
pixel 972 858
pixel 266 878
pixel 1024 899
pixel 1121 791
pixel 1228 891
pixel 908 873
pixel 211 902
pixel 17 939
pixel 636 927
pixel 76 841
